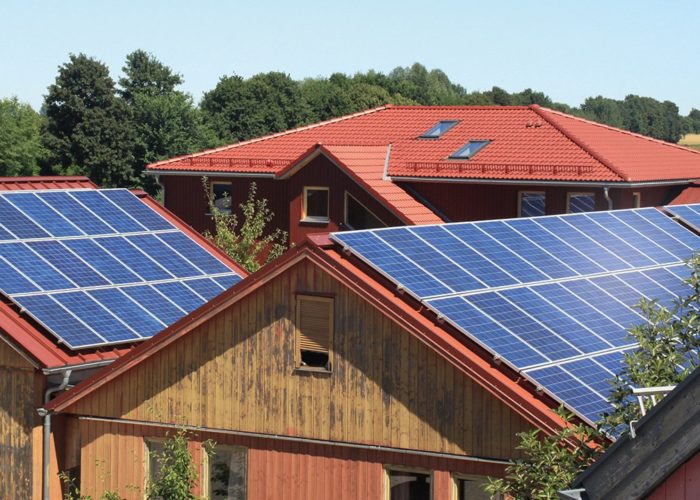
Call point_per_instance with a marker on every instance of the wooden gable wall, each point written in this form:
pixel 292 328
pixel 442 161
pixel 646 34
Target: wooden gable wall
pixel 237 372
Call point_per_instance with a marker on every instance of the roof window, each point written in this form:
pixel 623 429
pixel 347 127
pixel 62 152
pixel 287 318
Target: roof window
pixel 437 131
pixel 469 150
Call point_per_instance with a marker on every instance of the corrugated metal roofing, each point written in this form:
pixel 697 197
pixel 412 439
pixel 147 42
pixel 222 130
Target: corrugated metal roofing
pixel 45 182
pixel 526 143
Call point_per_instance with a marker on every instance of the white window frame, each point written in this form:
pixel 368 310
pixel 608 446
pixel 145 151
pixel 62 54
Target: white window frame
pixel 345 210
pixel 206 464
pixel 528 191
pixel 414 470
pixel 578 193
pixel 636 199
pixel 316 219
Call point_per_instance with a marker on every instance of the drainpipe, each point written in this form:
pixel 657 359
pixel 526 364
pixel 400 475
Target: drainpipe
pixel 607 197
pixel 46 462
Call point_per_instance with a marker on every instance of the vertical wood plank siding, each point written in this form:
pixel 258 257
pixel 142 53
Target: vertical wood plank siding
pixel 16 421
pixel 113 457
pixel 682 484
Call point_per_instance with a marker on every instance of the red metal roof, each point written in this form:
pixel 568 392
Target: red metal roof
pixel 30 337
pixel 498 380
pixel 526 143
pixel 46 182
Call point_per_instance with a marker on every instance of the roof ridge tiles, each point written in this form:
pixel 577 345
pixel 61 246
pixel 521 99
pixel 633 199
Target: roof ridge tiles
pixel 542 112
pixel 266 137
pixel 620 130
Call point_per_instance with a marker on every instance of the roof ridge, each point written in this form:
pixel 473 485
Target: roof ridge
pixel 623 131
pixel 462 106
pixel 542 112
pixel 269 136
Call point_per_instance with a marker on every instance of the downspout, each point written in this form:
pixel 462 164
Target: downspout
pixel 46 415
pixel 607 197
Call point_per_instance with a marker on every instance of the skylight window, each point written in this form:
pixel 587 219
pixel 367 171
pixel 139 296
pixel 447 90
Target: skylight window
pixel 469 150
pixel 437 131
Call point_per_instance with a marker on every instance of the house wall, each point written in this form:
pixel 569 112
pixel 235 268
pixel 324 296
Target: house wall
pixel 682 484
pixel 237 371
pixel 17 418
pixel 184 196
pixel 276 469
pixel 471 202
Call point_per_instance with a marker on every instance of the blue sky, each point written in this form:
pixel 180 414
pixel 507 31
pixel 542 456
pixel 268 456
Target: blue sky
pixel 568 49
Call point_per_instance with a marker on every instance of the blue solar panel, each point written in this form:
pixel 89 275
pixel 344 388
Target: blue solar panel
pixel 552 296
pixel 690 214
pixel 101 267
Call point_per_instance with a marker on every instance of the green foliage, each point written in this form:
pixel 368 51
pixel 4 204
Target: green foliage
pixel 246 244
pixel 550 463
pixel 20 138
pixel 87 128
pixel 177 473
pixel 73 492
pixel 669 346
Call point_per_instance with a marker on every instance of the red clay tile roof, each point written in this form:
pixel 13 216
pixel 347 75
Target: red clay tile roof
pixel 527 143
pixel 30 337
pixel 689 195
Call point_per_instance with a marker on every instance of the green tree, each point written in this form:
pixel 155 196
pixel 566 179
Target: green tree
pixel 176 473
pixel 21 150
pixel 87 127
pixel 694 121
pixel 248 243
pixel 163 119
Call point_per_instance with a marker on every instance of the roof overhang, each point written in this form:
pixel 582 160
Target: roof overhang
pixel 533 182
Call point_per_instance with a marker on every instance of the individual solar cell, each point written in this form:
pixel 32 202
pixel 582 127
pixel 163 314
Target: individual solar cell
pixel 206 287
pixel 431 260
pixel 227 281
pixel 70 265
pixel 120 305
pixel 497 253
pixel 133 258
pixel 103 262
pixel 612 243
pixel 556 246
pixel 522 325
pixel 12 281
pixel 487 331
pixel 556 319
pixel 155 302
pixel 107 211
pixel 192 251
pixel 67 206
pixel 137 209
pixel 50 221
pixel 21 257
pixel 565 228
pixel 526 249
pixel 649 247
pixel 19 224
pixel 181 295
pixel 488 273
pixel 95 316
pixel 392 263
pixel 55 318
pixel 164 255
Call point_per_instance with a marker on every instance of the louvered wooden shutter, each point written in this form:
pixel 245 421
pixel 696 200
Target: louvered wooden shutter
pixel 314 323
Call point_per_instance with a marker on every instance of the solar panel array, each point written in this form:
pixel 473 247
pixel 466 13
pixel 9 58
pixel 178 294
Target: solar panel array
pixel 690 214
pixel 551 296
pixel 100 267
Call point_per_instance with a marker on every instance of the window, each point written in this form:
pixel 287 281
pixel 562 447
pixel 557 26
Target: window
pixel 359 217
pixel 531 203
pixel 315 204
pixel 438 130
pixel 227 473
pixel 221 193
pixel 314 332
pixel 580 202
pixel 636 199
pixel 405 485
pixel 472 488
pixel 154 449
pixel 469 150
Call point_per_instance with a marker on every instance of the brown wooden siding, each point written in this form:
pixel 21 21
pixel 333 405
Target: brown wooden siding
pixel 185 197
pixel 16 421
pixel 237 371
pixel 113 458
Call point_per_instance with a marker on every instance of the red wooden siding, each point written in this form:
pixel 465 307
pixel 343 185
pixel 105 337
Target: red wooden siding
pixel 683 484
